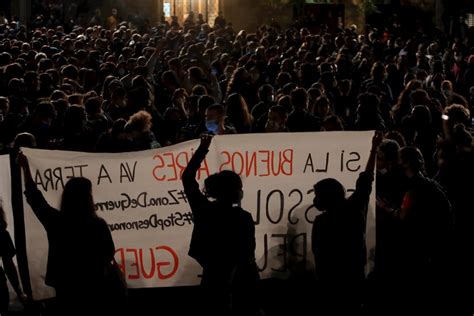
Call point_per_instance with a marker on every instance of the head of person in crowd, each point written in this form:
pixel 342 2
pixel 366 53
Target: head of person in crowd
pixel 119 97
pixel 332 123
pixel 328 194
pixel 24 140
pixel 285 101
pixel 436 82
pixel 31 82
pixel 282 79
pixel 199 90
pixel 345 87
pixel 421 118
pixel 266 94
pixel 75 120
pixel 397 137
pixel 313 94
pixel 77 99
pixel 16 87
pixel 328 81
pixel 108 84
pixel 447 88
pixel 276 121
pixel 224 187
pixel 453 115
pixel 368 113
pixel 228 71
pixel 204 102
pixel 77 200
pixel 288 88
pixel 322 107
pixel 419 97
pixel 44 114
pixel 170 80
pixel 378 72
pixel 388 155
pixel 138 123
pixel 412 162
pixel 239 80
pixel 137 99
pixel 215 119
pixel 93 108
pixel 299 99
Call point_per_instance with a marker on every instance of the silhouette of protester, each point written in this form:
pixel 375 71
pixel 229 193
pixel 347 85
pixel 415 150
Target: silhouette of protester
pixel 81 265
pixel 223 239
pixel 338 239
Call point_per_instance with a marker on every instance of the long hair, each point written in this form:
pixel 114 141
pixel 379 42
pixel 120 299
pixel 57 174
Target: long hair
pixel 237 81
pixel 77 198
pixel 237 112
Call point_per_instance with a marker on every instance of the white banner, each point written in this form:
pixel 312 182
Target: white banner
pixel 141 197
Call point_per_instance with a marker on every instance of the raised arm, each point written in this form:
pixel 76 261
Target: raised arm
pixel 196 198
pixel 366 178
pixel 376 141
pixel 151 62
pixel 43 211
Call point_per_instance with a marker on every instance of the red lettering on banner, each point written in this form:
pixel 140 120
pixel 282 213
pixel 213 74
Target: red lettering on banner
pixel 134 263
pixel 287 161
pixel 162 262
pixel 262 163
pixel 251 163
pixel 158 167
pixel 159 265
pixel 238 163
pixel 182 164
pixel 266 162
pixel 227 161
pixel 170 166
pixel 121 260
pixel 150 274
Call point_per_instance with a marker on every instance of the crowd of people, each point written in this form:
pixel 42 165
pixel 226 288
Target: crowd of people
pixel 115 87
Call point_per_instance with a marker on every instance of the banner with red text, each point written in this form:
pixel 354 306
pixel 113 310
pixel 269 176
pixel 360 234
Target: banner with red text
pixel 141 197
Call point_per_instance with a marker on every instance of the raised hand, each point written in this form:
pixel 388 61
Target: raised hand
pixel 206 140
pixel 22 160
pixel 377 139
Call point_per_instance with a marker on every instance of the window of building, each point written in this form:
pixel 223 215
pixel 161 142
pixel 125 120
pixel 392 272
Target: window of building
pixel 470 19
pixel 181 8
